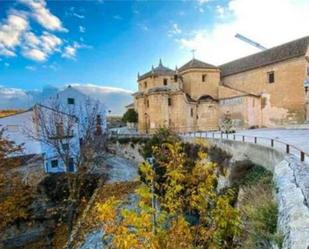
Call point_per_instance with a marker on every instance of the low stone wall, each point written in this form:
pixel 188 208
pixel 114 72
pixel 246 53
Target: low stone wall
pixel 129 151
pixel 292 187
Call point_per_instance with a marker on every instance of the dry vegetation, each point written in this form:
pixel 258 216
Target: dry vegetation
pixel 117 190
pixel 4 113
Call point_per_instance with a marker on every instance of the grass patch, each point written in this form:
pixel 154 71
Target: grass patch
pixel 258 209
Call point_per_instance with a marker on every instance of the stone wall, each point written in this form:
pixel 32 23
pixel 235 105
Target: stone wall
pixel 292 187
pixel 284 99
pixel 244 110
pixel 195 87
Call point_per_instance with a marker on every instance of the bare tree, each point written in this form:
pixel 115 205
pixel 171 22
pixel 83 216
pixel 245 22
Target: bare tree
pixel 73 141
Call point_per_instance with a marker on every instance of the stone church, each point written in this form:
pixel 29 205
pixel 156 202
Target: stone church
pixel 266 89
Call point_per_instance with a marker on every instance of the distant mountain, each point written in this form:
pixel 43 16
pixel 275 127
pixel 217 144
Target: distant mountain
pixel 114 98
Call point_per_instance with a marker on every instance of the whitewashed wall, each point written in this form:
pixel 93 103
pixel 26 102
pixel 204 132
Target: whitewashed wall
pixel 16 129
pixel 80 108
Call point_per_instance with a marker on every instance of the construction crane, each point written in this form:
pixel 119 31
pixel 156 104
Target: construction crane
pixel 249 41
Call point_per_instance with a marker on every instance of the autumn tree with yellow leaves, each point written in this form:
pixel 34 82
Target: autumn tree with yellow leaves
pixel 15 196
pixel 182 210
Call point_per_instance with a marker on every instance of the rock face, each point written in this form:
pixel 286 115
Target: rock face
pixel 293 213
pixel 120 170
pixel 129 151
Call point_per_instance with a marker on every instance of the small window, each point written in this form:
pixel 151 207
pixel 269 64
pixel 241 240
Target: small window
pixel 204 76
pixel 169 100
pixel 147 103
pixel 165 82
pixel 99 120
pixel 145 84
pixel 65 147
pixel 191 112
pixel 306 89
pixel 175 77
pixel 271 77
pixel 71 101
pixel 71 165
pixel 54 163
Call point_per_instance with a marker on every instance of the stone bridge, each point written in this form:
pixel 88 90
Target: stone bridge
pixel 286 154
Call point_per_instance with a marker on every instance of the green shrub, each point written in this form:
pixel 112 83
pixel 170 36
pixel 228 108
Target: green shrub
pixel 254 174
pixel 130 116
pixel 258 208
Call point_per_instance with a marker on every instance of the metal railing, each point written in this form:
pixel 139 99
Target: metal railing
pixel 128 135
pixel 265 141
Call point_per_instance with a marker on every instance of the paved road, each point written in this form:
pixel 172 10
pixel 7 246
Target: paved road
pixel 295 137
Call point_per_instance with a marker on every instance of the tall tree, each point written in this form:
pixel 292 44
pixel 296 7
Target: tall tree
pixel 71 139
pixel 15 196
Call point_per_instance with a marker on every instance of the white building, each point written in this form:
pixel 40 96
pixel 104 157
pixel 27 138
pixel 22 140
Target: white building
pixel 74 102
pixel 68 107
pixel 24 129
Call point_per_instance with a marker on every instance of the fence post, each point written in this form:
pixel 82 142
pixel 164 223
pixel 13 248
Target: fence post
pixel 302 156
pixel 227 136
pixel 243 138
pixel 221 135
pixel 255 140
pixel 234 137
pixel 287 148
pixel 272 142
pixel 213 135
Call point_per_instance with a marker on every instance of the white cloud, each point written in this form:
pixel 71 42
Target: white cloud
pixel 6 64
pixel 31 68
pixel 78 15
pixel 11 31
pixel 82 29
pixel 203 1
pixel 38 48
pixel 69 51
pixel 114 98
pixel 200 9
pixel 50 42
pixel 35 54
pixel 220 11
pixel 269 22
pixel 8 93
pixel 6 52
pixel 43 16
pixel 143 27
pixel 104 89
pixel 175 30
pixel 17 36
pixel 117 17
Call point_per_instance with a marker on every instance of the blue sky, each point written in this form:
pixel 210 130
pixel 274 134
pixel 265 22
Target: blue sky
pixel 116 39
pixel 107 42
